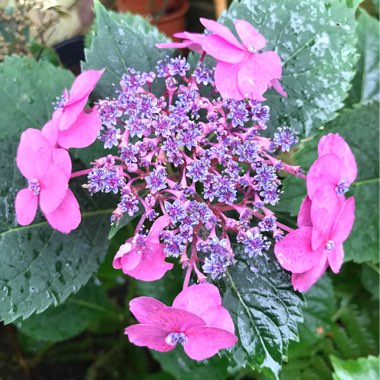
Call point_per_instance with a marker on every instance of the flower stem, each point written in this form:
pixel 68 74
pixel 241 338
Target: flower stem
pixel 80 173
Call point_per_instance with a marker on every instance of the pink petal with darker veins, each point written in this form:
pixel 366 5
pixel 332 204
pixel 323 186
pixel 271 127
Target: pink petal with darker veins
pixel 83 85
pixel 333 143
pixel 67 216
pixel 152 265
pixel 226 80
pixel 141 307
pixel 336 257
pixel 220 49
pixel 205 342
pixel 149 336
pixel 198 299
pixel 255 76
pixel 249 35
pixel 304 216
pixel 221 31
pixel 50 132
pixel 62 159
pixel 325 208
pixel 218 317
pixel 127 257
pixel 26 206
pixel 174 320
pixel 33 154
pixel 324 171
pixel 83 131
pixel 54 186
pixel 344 221
pixel 294 251
pixel 304 281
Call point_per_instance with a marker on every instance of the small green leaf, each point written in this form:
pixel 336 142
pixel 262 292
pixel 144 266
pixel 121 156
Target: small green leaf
pixel 359 369
pixel 120 41
pixel 125 220
pixel 317 45
pixel 265 310
pixel 79 312
pixel 27 91
pixel 366 84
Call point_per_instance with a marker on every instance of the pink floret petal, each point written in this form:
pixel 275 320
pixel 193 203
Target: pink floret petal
pixel 220 49
pixel 83 132
pixel 304 215
pixel 141 307
pixel 333 143
pixel 33 154
pixel 66 217
pixel 226 80
pixel 127 257
pixel 221 31
pixel 205 342
pixel 304 281
pixel 249 36
pixel 218 317
pixel 146 335
pixel 294 252
pixel 50 132
pixel 26 206
pixel 198 299
pixel 344 221
pixel 324 171
pixel 336 257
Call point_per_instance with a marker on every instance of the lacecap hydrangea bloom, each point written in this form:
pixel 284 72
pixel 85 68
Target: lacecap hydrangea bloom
pixel 202 178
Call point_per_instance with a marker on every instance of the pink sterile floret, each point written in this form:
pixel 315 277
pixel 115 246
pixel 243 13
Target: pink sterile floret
pixel 143 257
pixel 71 126
pixel 197 320
pixel 318 242
pixel 192 41
pixel 336 166
pixel 48 171
pixel 241 71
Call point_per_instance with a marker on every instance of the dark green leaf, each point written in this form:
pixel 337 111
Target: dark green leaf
pixel 265 310
pixel 119 42
pixel 316 42
pixel 39 266
pixel 79 311
pixel 359 127
pixel 28 89
pixel 124 221
pixel 370 279
pixel 178 364
pixel 359 369
pixel 366 84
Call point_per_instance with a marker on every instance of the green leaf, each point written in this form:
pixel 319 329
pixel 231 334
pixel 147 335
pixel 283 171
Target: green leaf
pixel 318 314
pixel 316 43
pixel 265 310
pixel 178 364
pixel 359 127
pixel 119 42
pixel 27 91
pixel 366 84
pixel 124 221
pixel 370 279
pixel 359 369
pixel 79 312
pixel 39 266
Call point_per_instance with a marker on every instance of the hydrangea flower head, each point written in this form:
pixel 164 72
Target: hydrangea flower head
pixel 197 320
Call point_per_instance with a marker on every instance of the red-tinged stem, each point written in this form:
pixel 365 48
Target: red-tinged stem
pixel 80 173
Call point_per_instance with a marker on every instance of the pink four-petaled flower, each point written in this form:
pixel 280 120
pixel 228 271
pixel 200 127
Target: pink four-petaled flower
pixel 143 257
pixel 48 171
pixel 71 126
pixel 197 320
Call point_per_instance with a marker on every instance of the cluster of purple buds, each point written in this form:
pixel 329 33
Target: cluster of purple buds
pixel 199 160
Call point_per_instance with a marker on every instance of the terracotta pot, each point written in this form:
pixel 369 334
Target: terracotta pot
pixel 172 21
pixel 145 7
